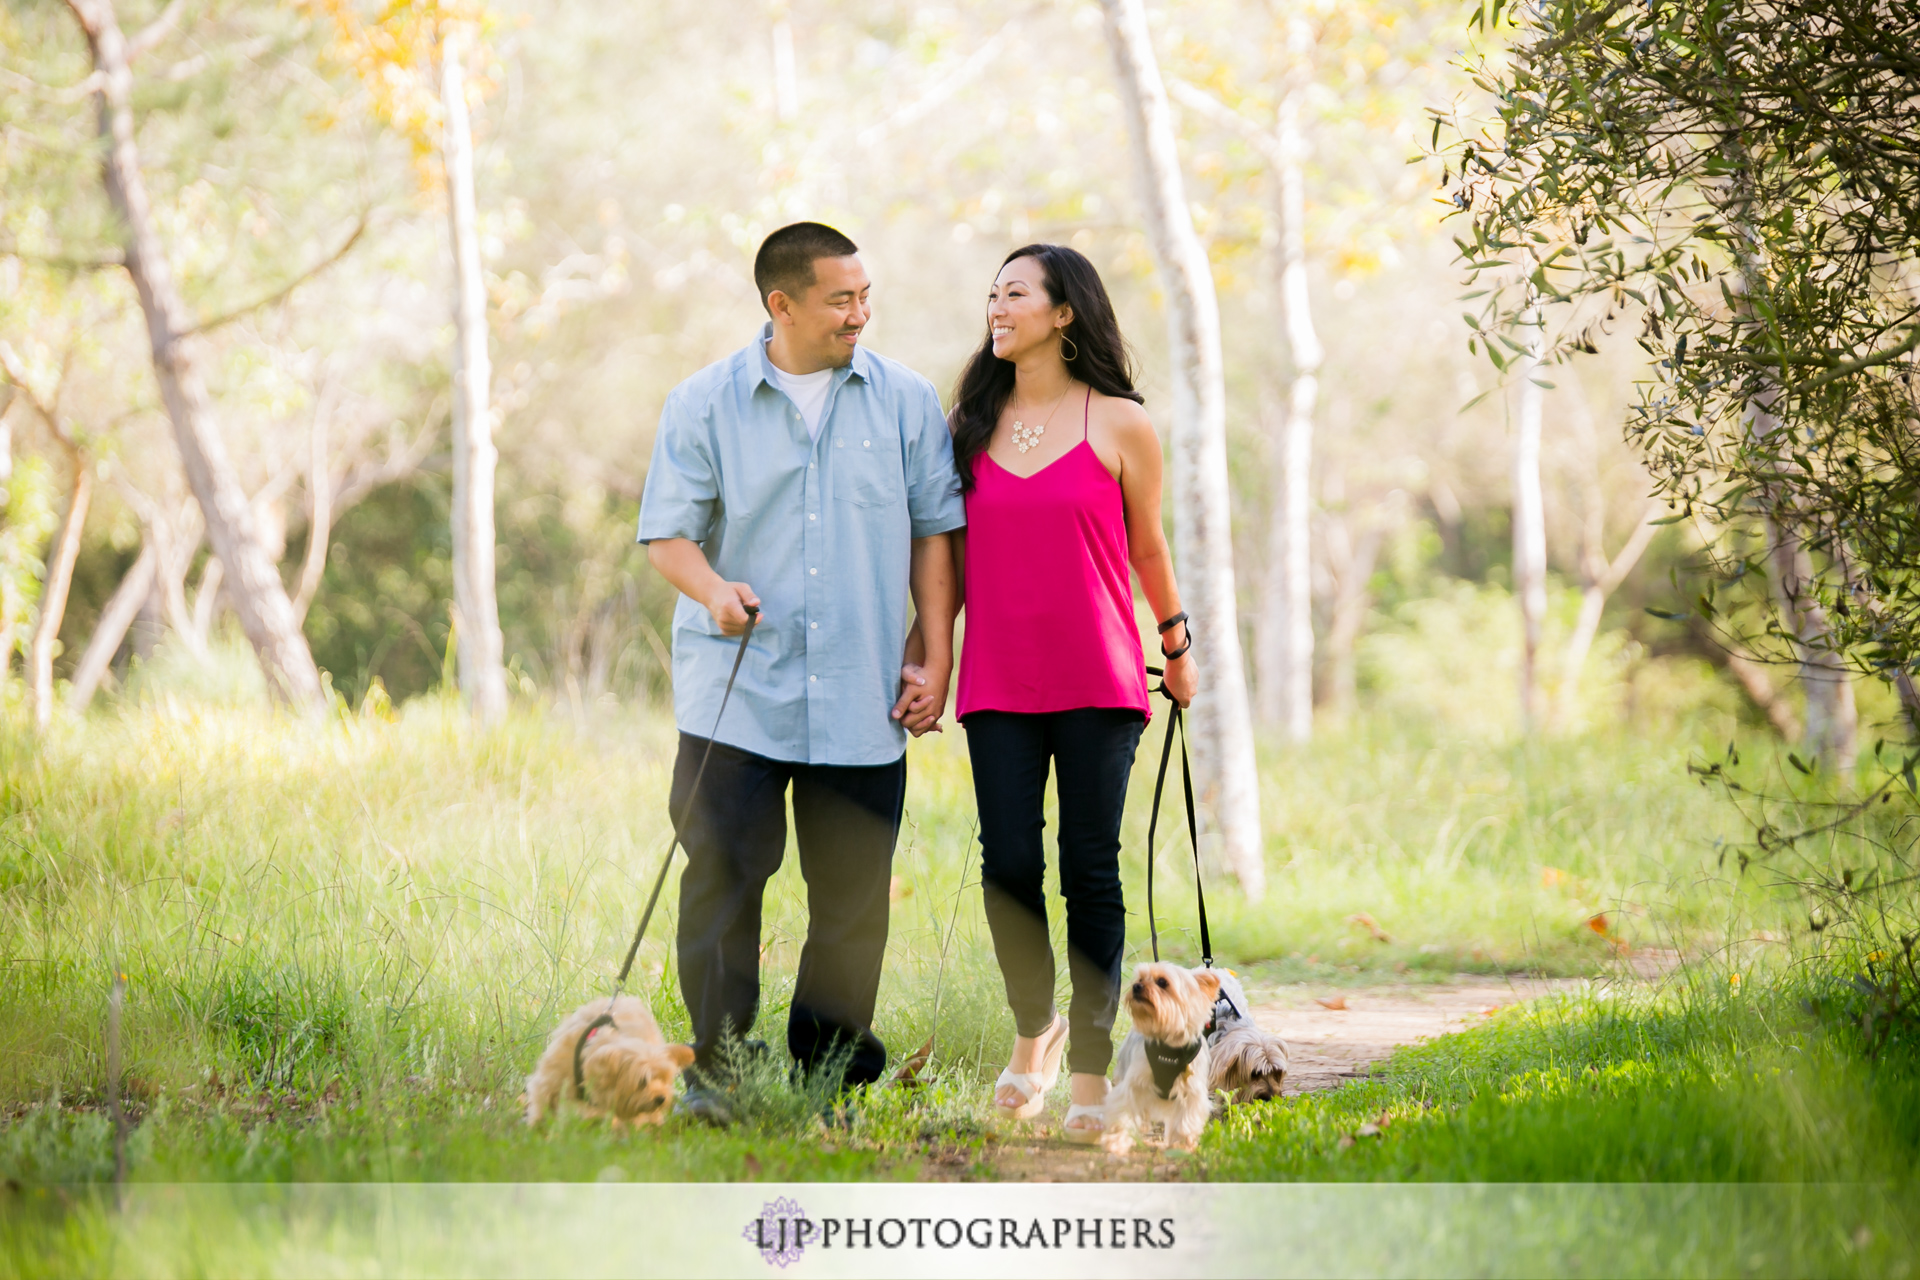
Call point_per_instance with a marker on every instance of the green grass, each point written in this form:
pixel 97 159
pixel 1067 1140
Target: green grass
pixel 372 907
pixel 346 943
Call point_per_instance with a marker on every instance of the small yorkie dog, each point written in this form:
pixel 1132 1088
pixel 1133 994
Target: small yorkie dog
pixel 624 1070
pixel 1164 1070
pixel 1249 1063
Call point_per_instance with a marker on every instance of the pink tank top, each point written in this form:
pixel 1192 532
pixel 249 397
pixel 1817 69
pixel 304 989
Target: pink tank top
pixel 1050 622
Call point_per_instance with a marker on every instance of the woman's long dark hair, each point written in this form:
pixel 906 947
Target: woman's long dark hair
pixel 1101 359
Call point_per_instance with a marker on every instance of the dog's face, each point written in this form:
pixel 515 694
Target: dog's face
pixel 632 1078
pixel 1172 1004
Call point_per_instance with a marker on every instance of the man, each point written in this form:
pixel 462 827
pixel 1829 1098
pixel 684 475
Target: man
pixel 813 480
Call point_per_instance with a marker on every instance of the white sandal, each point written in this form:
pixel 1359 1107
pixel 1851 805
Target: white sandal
pixel 1033 1085
pixel 1085 1134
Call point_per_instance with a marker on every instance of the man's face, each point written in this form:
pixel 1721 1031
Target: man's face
pixel 822 327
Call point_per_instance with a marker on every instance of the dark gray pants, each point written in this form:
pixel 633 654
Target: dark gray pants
pixel 845 822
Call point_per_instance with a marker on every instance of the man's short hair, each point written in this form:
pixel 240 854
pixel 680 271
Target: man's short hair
pixel 786 258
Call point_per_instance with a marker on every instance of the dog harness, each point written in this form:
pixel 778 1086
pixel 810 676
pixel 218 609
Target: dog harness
pixel 1167 1061
pixel 579 1052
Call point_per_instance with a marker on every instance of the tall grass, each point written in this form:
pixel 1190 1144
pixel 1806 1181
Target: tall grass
pixel 386 903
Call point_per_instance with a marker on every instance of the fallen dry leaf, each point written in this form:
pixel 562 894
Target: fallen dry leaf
pixel 1346 1140
pixel 1371 925
pixel 908 1076
pixel 753 1166
pixel 1599 925
pixel 1552 877
pixel 1337 1003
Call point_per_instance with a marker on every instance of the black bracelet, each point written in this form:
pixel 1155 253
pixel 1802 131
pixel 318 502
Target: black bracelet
pixel 1168 625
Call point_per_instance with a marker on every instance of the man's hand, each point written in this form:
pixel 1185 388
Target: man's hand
pixel 728 603
pixel 923 698
pixel 685 565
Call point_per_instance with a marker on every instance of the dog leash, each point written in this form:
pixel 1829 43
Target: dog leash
pixel 666 864
pixel 1175 725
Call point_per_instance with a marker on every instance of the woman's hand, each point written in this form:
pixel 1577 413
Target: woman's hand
pixel 1182 679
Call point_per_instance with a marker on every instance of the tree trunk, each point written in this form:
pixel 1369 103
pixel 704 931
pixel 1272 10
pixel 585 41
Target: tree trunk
pixel 1350 561
pixel 1831 719
pixel 1223 738
pixel 1529 527
pixel 313 565
pixel 259 598
pixel 1599 579
pixel 122 607
pixel 482 671
pixel 61 557
pixel 1286 648
pixel 786 79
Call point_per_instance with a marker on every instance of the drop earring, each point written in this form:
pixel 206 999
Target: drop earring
pixel 1065 341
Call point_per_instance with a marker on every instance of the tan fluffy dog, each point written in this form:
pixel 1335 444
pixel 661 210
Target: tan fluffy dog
pixel 627 1069
pixel 1249 1064
pixel 1162 1072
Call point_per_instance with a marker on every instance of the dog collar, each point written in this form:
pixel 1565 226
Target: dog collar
pixel 1167 1061
pixel 579 1053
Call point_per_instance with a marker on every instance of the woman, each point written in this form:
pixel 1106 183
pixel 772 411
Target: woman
pixel 1060 468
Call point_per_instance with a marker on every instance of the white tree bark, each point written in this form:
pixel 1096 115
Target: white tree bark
pixel 481 664
pixel 320 511
pixel 61 558
pixel 1283 641
pixel 1832 721
pixel 1223 739
pixel 1291 548
pixel 64 551
pixel 122 607
pixel 786 78
pixel 1599 578
pixel 1529 524
pixel 259 597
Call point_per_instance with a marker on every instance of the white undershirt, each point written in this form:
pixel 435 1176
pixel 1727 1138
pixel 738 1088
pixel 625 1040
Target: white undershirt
pixel 808 391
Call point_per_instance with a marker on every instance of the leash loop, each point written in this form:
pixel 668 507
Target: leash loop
pixel 666 864
pixel 1176 724
pixel 693 792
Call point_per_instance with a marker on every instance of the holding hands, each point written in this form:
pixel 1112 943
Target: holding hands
pixel 923 698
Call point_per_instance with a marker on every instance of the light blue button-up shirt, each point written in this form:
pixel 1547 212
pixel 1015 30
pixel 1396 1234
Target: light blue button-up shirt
pixel 820 529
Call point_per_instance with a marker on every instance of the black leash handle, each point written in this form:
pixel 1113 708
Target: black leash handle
pixel 659 881
pixel 1175 724
pixel 666 864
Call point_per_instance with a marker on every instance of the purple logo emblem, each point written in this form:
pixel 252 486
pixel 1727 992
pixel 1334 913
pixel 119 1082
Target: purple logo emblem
pixel 780 1233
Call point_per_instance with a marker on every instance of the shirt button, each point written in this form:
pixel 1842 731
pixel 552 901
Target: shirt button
pixel 812 516
pixel 866 444
pixel 809 466
pixel 814 625
pixel 815 571
pixel 812 679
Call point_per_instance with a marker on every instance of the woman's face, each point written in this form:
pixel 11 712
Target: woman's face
pixel 1020 315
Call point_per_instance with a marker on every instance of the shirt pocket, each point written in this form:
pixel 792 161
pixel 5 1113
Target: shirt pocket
pixel 867 471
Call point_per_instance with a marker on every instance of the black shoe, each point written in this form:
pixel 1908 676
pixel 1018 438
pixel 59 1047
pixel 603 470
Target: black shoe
pixel 706 1106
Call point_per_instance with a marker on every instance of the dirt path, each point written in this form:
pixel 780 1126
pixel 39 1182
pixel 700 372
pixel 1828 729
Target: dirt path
pixel 1333 1036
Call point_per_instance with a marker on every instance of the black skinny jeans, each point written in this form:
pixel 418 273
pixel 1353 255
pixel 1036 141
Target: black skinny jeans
pixel 845 822
pixel 1091 750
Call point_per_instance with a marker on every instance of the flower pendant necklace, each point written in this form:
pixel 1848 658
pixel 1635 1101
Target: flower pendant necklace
pixel 1025 437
